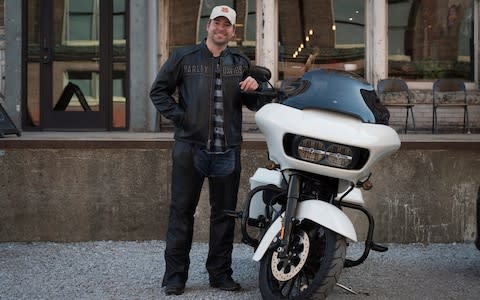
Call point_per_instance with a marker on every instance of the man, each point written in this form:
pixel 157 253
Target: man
pixel 208 122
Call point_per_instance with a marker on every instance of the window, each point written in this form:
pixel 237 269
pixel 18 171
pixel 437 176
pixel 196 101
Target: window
pixel 250 32
pixel 88 84
pixel 430 39
pixel 119 22
pixel 76 64
pixel 81 24
pixel 327 34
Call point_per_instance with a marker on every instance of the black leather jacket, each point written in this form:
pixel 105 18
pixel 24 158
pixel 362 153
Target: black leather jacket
pixel 192 70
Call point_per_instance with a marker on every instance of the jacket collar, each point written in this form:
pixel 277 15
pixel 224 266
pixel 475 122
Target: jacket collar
pixel 225 52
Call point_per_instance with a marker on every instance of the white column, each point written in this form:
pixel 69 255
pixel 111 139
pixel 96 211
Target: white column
pixel 152 59
pixel 267 36
pixel 475 43
pixel 13 60
pixel 376 64
pixel 162 31
pixel 143 39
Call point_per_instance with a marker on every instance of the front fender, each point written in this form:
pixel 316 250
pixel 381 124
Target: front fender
pixel 320 212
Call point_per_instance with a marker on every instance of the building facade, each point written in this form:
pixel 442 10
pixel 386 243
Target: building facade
pixel 88 65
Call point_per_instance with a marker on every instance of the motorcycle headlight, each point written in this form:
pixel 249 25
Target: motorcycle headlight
pixel 311 150
pixel 339 155
pixel 325 152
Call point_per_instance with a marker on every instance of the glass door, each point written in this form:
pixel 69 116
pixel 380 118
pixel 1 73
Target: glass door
pixel 76 64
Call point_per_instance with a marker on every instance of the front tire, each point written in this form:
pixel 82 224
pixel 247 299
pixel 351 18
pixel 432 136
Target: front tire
pixel 297 278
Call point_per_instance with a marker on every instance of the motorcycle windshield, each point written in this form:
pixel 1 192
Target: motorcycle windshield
pixel 334 90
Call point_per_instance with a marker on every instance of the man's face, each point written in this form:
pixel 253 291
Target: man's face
pixel 220 31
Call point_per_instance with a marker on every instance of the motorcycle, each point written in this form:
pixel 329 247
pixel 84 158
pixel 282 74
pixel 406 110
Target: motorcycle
pixel 324 132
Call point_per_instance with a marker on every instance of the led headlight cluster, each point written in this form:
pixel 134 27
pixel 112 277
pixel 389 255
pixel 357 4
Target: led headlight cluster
pixel 324 152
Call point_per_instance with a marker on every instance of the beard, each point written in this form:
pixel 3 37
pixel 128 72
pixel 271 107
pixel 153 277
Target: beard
pixel 220 39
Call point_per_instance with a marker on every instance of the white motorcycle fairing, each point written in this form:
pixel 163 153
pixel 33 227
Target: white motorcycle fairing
pixel 264 176
pixel 321 213
pixel 276 120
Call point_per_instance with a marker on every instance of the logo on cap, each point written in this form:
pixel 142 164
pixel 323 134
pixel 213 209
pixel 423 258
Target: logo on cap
pixel 224 11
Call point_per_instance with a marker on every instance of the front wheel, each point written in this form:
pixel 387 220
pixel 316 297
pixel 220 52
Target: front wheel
pixel 310 269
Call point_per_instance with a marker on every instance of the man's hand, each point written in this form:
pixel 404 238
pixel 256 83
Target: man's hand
pixel 249 84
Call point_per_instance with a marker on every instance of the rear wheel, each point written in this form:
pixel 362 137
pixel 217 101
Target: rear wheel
pixel 311 268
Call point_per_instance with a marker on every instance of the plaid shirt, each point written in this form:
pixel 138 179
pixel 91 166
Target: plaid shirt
pixel 218 135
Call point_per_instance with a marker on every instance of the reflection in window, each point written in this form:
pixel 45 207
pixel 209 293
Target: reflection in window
pixel 250 33
pixel 119 96
pixel 430 39
pixel 119 24
pixel 349 23
pixel 33 66
pixel 81 22
pixel 321 34
pixel 87 83
pixel 33 26
pixel 33 94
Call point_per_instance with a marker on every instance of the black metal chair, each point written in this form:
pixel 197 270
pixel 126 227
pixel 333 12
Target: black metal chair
pixel 450 93
pixel 394 92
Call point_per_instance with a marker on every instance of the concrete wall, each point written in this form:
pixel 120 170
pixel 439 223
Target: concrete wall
pixel 78 190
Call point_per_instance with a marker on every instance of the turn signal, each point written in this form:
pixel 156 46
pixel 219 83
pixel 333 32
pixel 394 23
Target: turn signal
pixel 367 185
pixel 271 165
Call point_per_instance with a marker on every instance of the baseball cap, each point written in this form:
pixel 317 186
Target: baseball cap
pixel 224 11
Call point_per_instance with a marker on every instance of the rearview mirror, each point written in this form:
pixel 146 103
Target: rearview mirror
pixel 260 73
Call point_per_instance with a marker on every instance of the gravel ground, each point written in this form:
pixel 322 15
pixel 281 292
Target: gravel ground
pixel 133 270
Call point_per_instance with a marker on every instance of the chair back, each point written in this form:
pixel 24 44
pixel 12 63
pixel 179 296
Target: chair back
pixel 393 90
pixel 449 90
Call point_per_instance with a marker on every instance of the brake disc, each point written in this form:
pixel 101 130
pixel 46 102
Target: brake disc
pixel 284 269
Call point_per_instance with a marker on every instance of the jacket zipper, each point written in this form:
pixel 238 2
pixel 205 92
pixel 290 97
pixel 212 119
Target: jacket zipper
pixel 220 66
pixel 210 101
pixel 223 104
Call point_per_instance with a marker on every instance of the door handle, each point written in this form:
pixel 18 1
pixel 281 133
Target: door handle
pixel 46 59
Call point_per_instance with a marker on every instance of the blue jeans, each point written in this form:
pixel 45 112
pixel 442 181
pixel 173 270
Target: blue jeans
pixel 215 164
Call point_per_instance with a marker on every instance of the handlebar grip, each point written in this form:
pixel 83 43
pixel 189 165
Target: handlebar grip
pixel 270 94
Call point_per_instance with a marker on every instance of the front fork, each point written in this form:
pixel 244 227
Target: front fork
pixel 293 195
